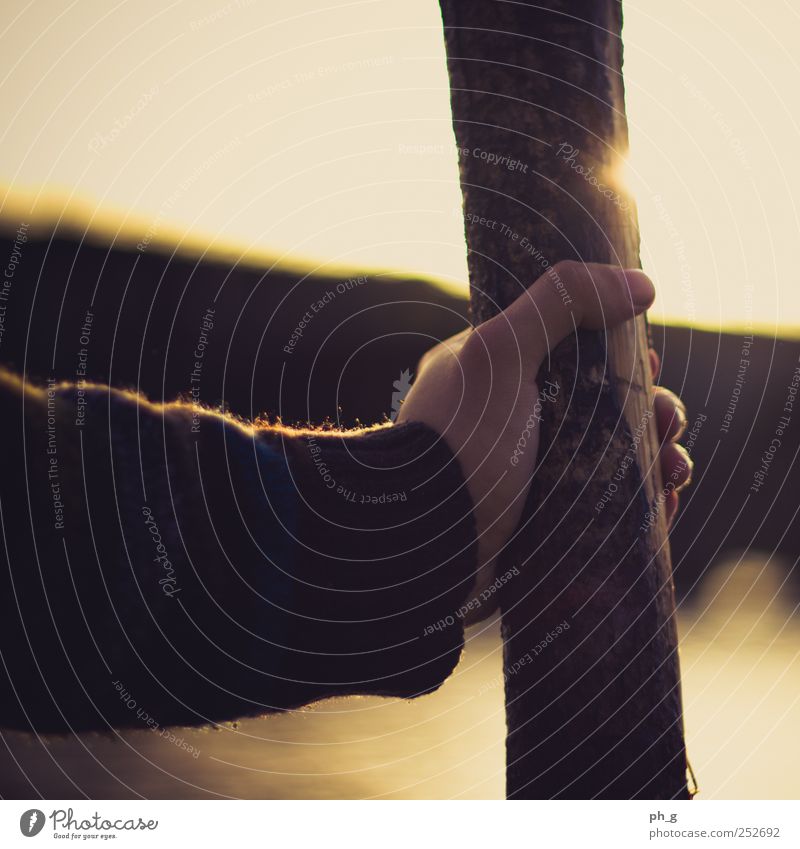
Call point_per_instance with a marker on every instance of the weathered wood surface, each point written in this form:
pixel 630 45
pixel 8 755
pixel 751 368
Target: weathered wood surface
pixel 538 112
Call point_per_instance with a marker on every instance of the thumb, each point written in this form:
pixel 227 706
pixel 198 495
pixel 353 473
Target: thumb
pixel 570 295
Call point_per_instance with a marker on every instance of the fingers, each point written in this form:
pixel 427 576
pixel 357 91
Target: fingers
pixel 670 415
pixel 575 294
pixel 670 507
pixel 676 466
pixel 676 472
pixel 655 364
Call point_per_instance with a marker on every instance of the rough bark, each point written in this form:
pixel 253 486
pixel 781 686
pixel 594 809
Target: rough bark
pixel 593 710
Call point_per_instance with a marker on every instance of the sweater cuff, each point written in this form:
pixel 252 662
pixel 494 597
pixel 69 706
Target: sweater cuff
pixel 386 554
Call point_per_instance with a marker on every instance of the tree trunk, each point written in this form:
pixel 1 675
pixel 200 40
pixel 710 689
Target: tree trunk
pixel 593 700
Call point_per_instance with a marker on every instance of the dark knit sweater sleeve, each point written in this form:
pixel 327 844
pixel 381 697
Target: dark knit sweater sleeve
pixel 167 564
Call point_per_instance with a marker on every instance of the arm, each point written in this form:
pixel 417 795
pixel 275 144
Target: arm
pixel 207 569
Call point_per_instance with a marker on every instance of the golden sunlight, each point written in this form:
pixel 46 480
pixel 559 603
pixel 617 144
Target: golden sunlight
pixel 350 157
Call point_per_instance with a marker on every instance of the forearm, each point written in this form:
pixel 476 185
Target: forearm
pixel 206 570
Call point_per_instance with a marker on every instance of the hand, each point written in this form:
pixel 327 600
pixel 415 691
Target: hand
pixel 671 421
pixel 478 389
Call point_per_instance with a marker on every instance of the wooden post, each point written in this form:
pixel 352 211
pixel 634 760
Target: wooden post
pixel 593 700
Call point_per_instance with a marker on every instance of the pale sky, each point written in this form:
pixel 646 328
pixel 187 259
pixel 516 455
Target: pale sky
pixel 297 128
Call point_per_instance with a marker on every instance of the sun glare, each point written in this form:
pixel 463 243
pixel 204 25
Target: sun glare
pixel 332 141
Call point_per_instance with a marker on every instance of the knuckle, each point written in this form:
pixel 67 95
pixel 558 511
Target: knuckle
pixel 567 267
pixel 430 356
pixel 441 352
pixel 425 360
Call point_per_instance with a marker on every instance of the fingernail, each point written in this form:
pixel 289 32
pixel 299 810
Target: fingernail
pixel 680 410
pixel 682 422
pixel 690 465
pixel 640 286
